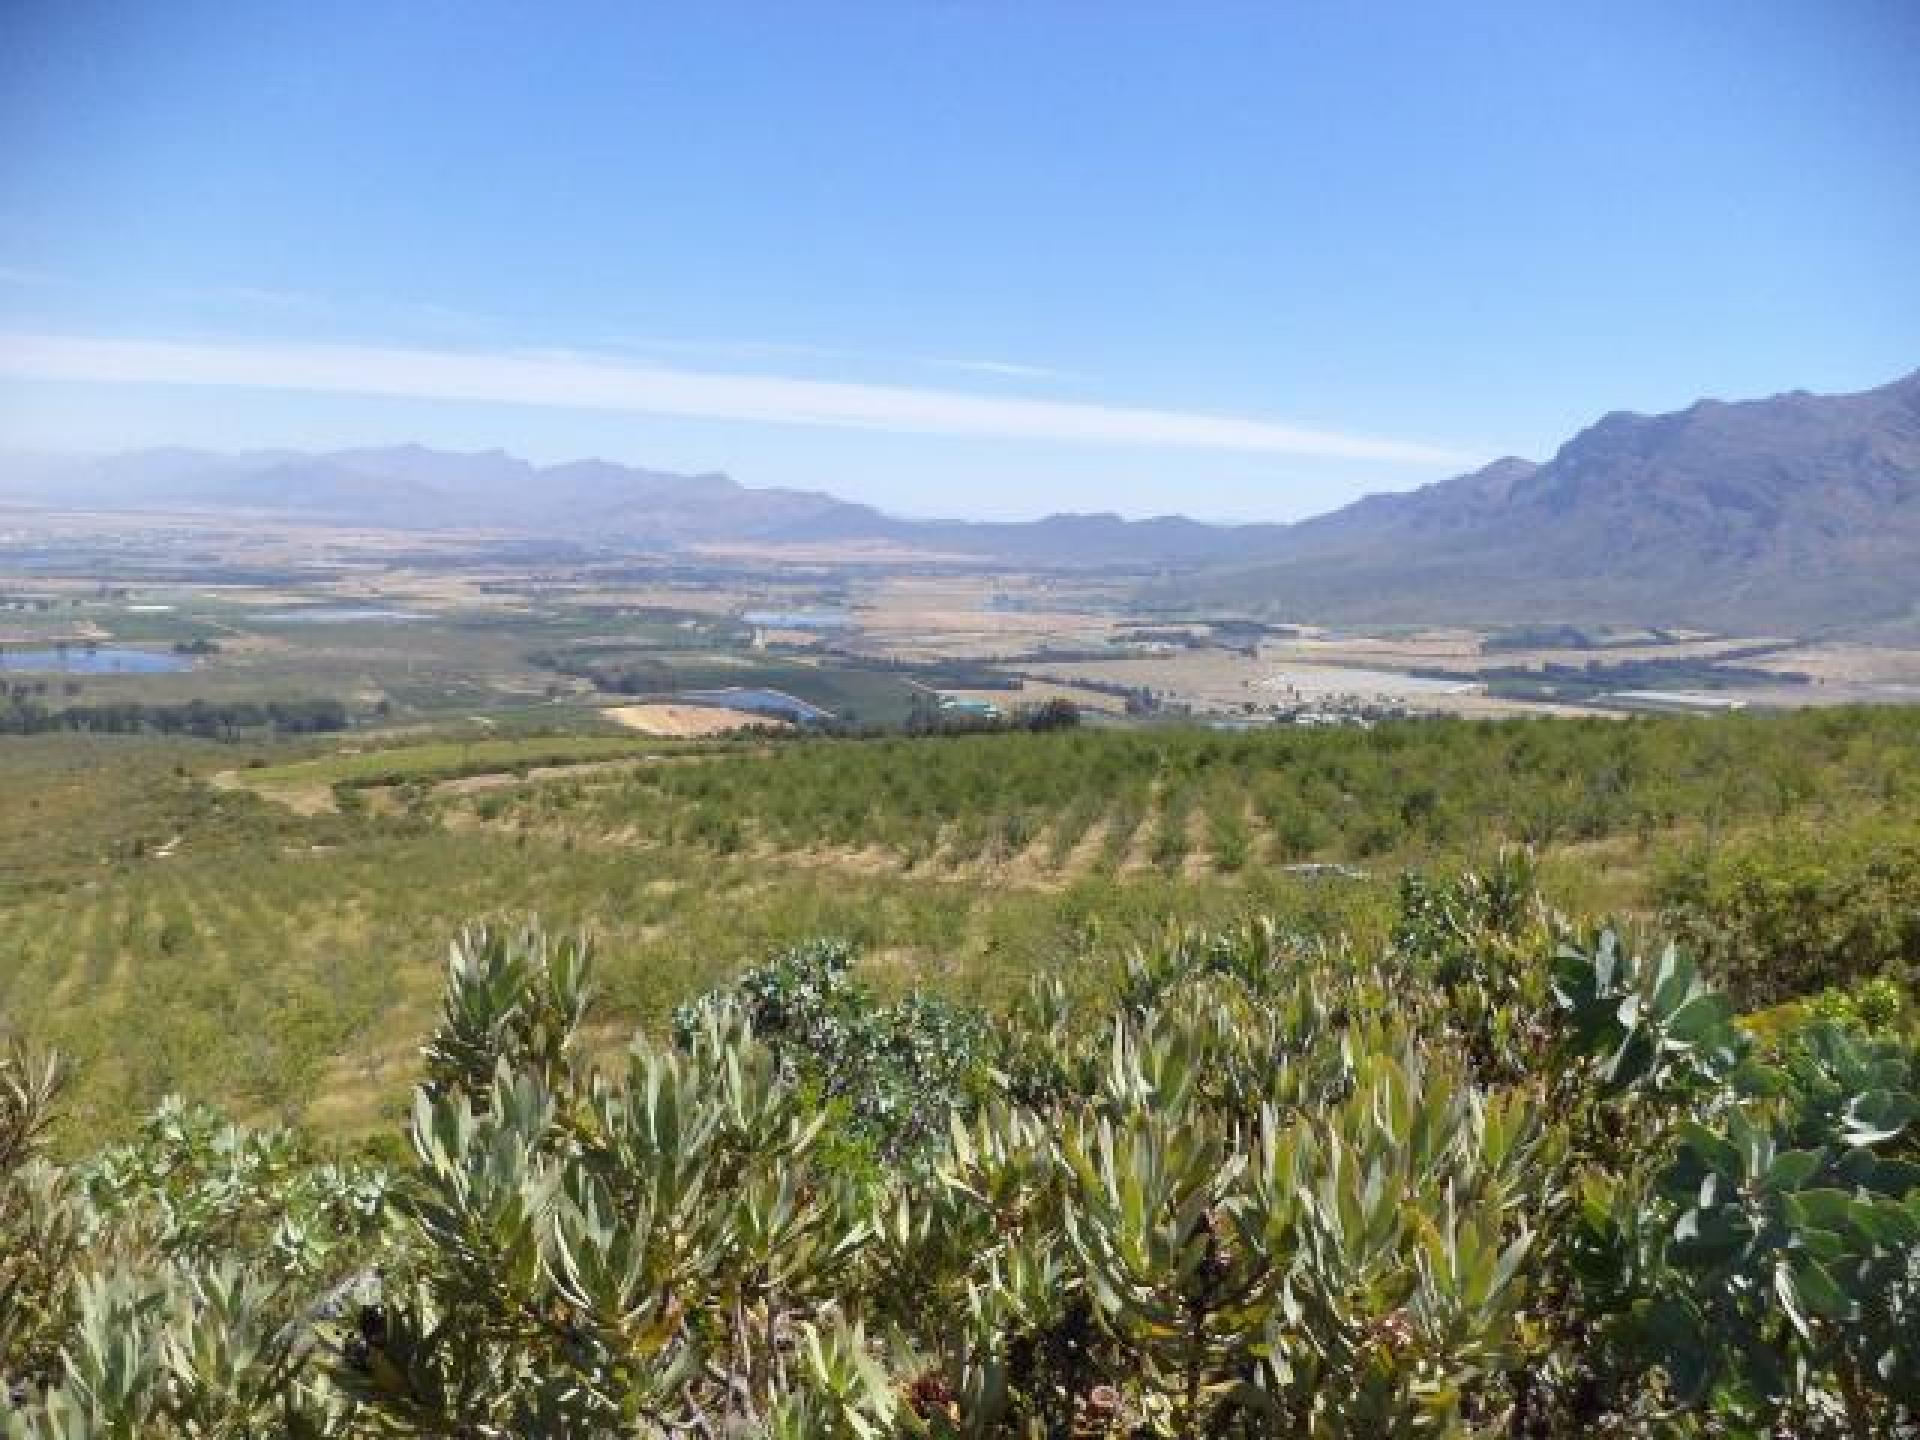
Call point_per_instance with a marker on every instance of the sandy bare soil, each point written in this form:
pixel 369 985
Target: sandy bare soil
pixel 1038 692
pixel 1842 663
pixel 301 799
pixel 1218 678
pixel 684 721
pixel 920 617
pixel 1219 681
pixel 847 552
pixel 712 600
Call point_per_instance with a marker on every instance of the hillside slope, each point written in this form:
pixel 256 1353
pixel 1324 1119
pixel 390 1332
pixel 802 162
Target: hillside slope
pixel 1800 511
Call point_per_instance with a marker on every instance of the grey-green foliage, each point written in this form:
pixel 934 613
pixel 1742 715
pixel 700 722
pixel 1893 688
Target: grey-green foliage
pixel 182 1351
pixel 894 1070
pixel 626 1254
pixel 518 996
pixel 40 1222
pixel 163 1287
pixel 1762 1252
pixel 1772 1247
pixel 1505 1177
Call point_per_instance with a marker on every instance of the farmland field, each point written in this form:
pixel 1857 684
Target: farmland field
pixel 178 920
pixel 950 843
pixel 250 903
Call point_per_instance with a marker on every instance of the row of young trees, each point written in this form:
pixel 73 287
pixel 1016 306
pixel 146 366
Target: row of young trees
pixel 1426 787
pixel 1509 1176
pixel 930 716
pixel 207 719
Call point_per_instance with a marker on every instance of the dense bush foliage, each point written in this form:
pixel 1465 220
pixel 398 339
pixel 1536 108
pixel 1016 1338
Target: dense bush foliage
pixel 1405 787
pixel 1504 1176
pixel 1789 912
pixel 931 717
pixel 183 915
pixel 892 1073
pixel 207 719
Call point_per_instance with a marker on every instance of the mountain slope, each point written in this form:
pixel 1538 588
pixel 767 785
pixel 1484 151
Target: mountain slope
pixel 1800 511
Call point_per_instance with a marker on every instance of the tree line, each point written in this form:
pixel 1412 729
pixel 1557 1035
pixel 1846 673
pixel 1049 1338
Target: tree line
pixel 207 719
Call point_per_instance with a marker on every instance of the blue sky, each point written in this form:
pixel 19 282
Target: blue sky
pixel 960 257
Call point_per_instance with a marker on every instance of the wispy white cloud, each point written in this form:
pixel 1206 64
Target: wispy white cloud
pixel 1006 369
pixel 590 383
pixel 758 350
pixel 735 349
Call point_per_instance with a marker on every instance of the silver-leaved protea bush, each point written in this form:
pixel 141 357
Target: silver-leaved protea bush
pixel 1504 1177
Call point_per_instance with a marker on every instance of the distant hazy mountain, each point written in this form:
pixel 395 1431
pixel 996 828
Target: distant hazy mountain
pixel 1067 539
pixel 596 502
pixel 1798 512
pixel 411 487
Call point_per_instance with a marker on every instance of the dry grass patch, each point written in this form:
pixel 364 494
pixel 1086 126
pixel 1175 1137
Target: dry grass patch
pixel 677 721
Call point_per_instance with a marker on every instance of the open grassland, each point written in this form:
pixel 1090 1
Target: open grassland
pixel 175 934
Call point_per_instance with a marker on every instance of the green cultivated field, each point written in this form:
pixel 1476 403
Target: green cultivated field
pixel 400 763
pixel 1194 802
pixel 1013 1150
pixel 173 929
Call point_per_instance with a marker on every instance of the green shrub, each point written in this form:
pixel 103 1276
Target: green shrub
pixel 1874 1007
pixel 1796 911
pixel 1503 1175
pixel 898 1070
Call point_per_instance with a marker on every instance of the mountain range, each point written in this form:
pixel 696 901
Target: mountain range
pixel 1796 512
